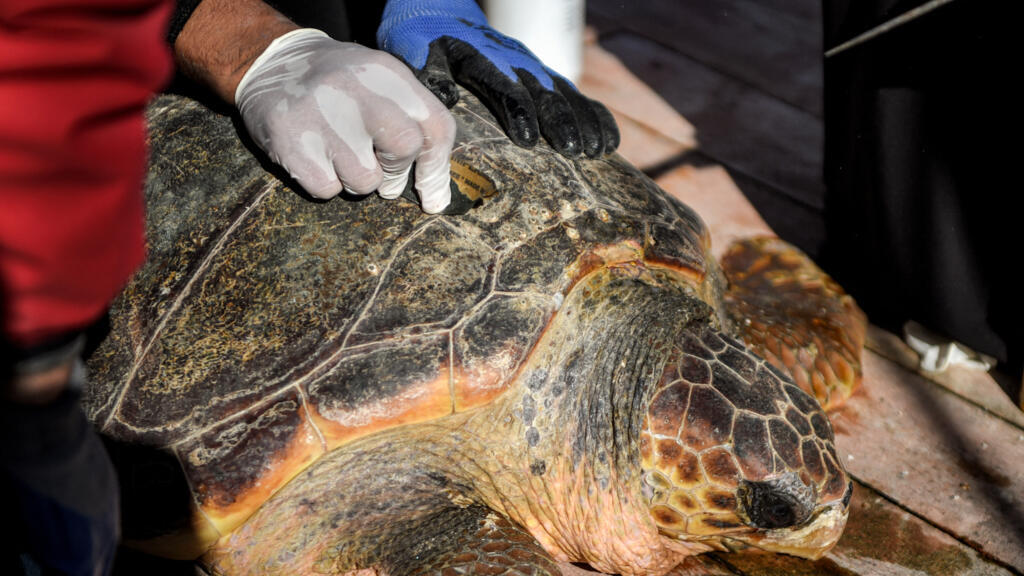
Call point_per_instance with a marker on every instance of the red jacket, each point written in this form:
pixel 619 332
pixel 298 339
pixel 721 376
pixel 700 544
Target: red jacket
pixel 75 76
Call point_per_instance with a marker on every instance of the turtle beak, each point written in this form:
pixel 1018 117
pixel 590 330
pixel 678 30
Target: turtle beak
pixel 812 540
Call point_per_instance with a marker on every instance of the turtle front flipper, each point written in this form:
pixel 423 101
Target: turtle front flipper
pixel 451 541
pixel 390 508
pixel 794 315
pixel 471 540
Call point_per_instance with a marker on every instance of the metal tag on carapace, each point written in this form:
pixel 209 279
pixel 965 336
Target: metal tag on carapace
pixel 469 188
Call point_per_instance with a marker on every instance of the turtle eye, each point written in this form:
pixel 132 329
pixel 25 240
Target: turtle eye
pixel 777 503
pixel 775 512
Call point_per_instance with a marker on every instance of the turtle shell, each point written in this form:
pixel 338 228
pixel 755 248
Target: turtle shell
pixel 267 329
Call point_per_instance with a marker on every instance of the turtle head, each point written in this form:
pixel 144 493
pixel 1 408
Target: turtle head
pixel 735 455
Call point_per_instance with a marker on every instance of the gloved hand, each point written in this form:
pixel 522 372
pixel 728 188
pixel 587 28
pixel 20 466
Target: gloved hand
pixel 339 115
pixel 446 39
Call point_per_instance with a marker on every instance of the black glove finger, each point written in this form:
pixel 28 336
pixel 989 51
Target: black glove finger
pixel 509 100
pixel 558 122
pixel 590 125
pixel 436 76
pixel 609 128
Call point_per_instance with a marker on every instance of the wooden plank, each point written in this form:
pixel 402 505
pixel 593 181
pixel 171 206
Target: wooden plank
pixel 723 199
pixel 711 192
pixel 949 461
pixel 880 538
pixel 644 146
pixel 652 131
pixel 801 225
pixel 737 126
pixel 807 12
pixel 975 386
pixel 602 24
pixel 702 565
pixel 775 47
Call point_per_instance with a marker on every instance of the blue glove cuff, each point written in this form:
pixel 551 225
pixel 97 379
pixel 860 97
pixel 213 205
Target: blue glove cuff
pixel 405 23
pixel 398 10
pixel 408 27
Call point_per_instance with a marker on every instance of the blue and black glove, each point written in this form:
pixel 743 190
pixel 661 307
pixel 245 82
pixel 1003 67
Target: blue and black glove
pixel 449 41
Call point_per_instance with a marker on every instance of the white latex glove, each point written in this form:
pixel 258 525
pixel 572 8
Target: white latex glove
pixel 339 115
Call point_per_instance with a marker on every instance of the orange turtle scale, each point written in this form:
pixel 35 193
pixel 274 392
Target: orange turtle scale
pixel 295 387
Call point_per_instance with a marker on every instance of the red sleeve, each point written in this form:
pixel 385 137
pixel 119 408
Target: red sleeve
pixel 75 76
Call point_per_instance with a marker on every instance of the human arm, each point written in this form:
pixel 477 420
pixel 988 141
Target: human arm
pixel 222 38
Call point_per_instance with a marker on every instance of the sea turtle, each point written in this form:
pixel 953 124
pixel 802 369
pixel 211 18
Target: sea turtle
pixel 299 387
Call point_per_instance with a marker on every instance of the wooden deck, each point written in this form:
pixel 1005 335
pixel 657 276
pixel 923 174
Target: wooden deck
pixel 938 460
pixel 748 75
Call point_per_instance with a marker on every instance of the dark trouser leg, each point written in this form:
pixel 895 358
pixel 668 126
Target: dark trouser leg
pixel 919 183
pixel 59 487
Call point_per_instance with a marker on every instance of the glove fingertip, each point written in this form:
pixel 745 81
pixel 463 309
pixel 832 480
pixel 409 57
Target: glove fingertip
pixel 568 146
pixel 523 136
pixel 435 204
pixel 437 76
pixel 521 124
pixel 324 190
pixel 445 89
pixel 609 128
pixel 434 191
pixel 611 143
pixel 390 192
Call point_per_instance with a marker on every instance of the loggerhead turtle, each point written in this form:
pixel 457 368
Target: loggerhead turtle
pixel 292 387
